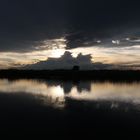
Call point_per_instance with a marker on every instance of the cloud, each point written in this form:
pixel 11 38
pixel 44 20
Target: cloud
pixel 116 42
pixel 67 61
pixel 26 24
pixel 31 28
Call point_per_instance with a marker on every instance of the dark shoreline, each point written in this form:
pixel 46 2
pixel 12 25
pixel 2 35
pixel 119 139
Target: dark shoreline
pixel 99 75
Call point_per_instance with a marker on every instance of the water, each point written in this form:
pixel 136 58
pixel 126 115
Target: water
pixel 62 105
pixel 55 93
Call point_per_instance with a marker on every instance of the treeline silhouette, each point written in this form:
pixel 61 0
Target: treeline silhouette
pixel 72 74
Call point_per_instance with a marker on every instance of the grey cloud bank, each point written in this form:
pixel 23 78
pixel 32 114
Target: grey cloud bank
pixel 26 23
pixel 67 61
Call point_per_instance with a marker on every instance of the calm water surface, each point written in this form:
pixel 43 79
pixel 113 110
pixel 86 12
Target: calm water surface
pixel 55 93
pixel 44 104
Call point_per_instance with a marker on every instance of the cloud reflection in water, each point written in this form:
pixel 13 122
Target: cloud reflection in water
pixel 50 95
pixel 53 93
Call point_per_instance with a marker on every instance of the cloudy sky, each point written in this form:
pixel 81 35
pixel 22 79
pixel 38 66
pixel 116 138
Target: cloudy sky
pixel 37 30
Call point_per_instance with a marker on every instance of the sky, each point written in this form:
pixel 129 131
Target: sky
pixel 39 33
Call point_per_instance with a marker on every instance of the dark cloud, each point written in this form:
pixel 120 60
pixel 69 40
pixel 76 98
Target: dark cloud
pixel 25 23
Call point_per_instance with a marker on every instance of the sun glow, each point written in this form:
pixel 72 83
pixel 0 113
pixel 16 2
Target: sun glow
pixel 57 53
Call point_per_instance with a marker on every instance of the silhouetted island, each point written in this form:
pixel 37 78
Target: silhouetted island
pixel 74 74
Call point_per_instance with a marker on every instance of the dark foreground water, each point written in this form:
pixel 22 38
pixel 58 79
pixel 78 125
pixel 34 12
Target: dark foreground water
pixel 66 107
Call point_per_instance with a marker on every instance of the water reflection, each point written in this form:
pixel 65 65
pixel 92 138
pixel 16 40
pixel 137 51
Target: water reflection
pixel 50 95
pixel 55 93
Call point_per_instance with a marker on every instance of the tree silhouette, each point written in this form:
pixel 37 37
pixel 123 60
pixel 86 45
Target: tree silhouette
pixel 76 68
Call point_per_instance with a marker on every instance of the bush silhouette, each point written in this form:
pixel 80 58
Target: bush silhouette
pixel 76 68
